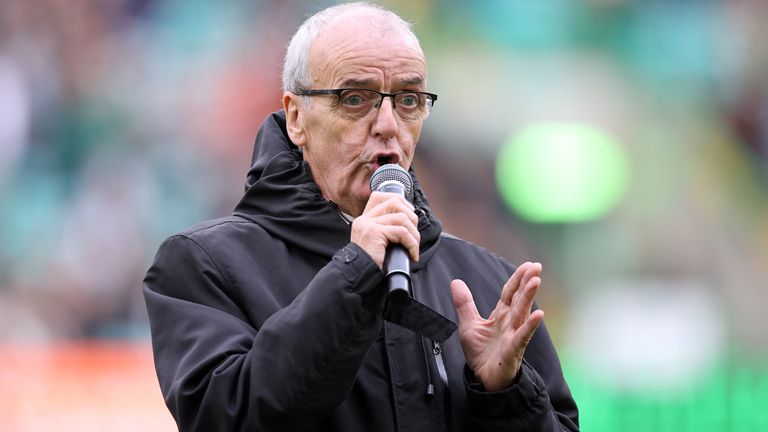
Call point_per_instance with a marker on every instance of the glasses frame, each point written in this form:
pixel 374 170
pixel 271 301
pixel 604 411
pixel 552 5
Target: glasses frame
pixel 337 92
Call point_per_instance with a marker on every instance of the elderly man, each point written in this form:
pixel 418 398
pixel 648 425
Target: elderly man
pixel 277 319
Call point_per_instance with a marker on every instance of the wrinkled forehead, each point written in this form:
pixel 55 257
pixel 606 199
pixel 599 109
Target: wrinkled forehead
pixel 364 37
pixel 367 24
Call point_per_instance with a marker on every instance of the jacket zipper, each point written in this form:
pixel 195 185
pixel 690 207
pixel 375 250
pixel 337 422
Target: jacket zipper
pixel 437 350
pixel 430 387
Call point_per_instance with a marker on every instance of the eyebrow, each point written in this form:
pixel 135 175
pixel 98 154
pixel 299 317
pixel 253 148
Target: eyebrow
pixel 416 80
pixel 364 83
pixel 358 83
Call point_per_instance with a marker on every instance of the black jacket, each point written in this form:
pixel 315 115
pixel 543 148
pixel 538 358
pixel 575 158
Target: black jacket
pixel 271 320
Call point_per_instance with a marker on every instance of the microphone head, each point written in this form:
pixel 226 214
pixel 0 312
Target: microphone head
pixel 393 173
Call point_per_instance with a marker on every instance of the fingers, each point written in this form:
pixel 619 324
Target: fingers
pixel 519 278
pixel 523 303
pixel 463 302
pixel 387 218
pixel 398 229
pixel 392 213
pixel 383 202
pixel 526 331
pixel 517 298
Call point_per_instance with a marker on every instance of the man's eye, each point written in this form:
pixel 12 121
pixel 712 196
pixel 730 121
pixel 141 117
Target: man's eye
pixel 409 100
pixel 352 100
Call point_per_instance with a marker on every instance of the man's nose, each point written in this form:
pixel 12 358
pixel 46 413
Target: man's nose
pixel 385 121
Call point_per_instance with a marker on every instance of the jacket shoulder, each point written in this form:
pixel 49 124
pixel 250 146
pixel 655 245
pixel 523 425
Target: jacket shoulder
pixel 214 231
pixel 218 239
pixel 462 247
pixel 217 226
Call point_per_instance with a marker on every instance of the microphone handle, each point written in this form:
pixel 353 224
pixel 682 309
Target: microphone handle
pixel 397 263
pixel 397 266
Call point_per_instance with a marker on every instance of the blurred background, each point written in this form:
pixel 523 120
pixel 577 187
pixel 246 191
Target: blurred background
pixel 624 144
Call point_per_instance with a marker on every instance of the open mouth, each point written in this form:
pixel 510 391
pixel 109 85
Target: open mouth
pixel 383 158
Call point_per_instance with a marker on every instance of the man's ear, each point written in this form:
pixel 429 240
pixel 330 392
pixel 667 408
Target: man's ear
pixel 294 118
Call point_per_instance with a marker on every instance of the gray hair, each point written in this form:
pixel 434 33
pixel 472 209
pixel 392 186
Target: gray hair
pixel 296 73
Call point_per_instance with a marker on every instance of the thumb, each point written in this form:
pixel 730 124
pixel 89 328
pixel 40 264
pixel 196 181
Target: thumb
pixel 463 302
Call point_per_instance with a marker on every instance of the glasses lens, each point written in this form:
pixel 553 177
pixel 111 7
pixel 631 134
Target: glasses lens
pixel 357 103
pixel 413 106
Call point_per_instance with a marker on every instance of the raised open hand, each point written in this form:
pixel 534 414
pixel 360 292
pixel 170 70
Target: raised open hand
pixel 494 347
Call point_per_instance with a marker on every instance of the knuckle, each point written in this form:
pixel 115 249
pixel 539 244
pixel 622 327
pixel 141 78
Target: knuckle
pixel 402 232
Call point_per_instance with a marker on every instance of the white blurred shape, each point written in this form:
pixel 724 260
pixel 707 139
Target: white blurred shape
pixel 648 335
pixel 14 115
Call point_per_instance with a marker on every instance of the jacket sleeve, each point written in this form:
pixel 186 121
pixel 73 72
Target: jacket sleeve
pixel 538 401
pixel 218 372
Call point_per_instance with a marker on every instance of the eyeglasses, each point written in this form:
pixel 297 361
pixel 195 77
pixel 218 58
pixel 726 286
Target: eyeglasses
pixel 358 103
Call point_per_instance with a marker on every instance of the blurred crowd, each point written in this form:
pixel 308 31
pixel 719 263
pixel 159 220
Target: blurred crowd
pixel 124 121
pixel 120 123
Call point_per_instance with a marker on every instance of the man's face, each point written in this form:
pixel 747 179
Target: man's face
pixel 343 152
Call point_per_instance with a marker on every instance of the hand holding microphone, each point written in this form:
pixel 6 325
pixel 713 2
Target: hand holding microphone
pixel 387 229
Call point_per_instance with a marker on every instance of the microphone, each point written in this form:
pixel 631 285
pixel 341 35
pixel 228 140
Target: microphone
pixel 393 178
